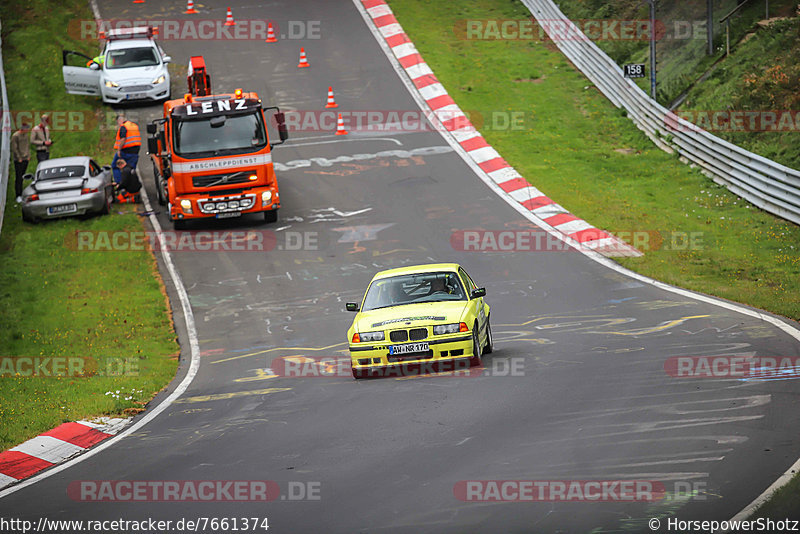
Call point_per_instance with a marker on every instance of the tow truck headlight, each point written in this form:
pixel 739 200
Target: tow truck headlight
pixel 159 80
pixel 186 206
pixel 367 337
pixel 266 197
pixel 109 83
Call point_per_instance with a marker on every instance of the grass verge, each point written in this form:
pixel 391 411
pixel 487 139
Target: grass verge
pixel 574 145
pixel 55 301
pixel 583 153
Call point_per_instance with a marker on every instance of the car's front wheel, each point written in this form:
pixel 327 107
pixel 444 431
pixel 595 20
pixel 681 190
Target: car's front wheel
pixel 489 347
pixel 475 361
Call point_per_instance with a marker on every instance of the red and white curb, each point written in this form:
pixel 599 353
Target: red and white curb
pixel 496 168
pixel 54 447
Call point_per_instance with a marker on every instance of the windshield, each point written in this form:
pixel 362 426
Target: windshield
pixel 235 134
pixel 126 58
pixel 412 289
pixel 67 171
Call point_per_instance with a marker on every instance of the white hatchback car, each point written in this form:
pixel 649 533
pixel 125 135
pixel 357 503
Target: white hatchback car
pixel 131 68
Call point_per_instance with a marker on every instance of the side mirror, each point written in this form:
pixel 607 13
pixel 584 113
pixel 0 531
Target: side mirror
pixel 151 128
pixel 152 145
pixel 27 176
pixel 167 59
pixel 94 65
pixel 107 168
pixel 479 292
pixel 351 306
pixel 283 133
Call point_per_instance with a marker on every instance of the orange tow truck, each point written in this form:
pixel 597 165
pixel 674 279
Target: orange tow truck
pixel 211 153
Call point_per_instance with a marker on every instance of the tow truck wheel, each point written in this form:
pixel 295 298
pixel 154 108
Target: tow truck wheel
pixel 159 191
pixel 271 216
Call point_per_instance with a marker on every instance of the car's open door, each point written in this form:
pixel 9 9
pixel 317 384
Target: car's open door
pixel 80 79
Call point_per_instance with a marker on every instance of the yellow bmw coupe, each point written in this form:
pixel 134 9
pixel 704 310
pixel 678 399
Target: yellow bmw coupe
pixel 418 317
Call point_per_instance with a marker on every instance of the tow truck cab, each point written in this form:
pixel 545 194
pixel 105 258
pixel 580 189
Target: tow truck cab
pixel 212 157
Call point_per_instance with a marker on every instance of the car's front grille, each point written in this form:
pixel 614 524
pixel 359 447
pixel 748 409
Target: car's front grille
pixel 398 335
pixel 415 334
pixel 135 88
pixel 221 179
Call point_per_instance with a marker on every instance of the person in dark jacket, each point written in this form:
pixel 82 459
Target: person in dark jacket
pixel 129 185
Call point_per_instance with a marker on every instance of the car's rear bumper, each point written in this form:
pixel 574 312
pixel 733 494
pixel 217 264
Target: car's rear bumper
pixel 89 203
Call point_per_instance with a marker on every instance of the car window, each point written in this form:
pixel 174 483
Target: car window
pixel 414 288
pixel 66 171
pixel 125 58
pixel 94 169
pixel 467 280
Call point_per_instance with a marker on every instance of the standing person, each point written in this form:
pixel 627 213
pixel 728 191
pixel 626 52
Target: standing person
pixel 127 145
pixel 21 152
pixel 40 138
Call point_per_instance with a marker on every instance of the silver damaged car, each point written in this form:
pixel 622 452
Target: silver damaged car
pixel 64 187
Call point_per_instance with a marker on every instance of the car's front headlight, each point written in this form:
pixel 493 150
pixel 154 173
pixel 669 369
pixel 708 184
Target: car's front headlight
pixel 159 80
pixel 109 83
pixel 367 337
pixel 449 328
pixel 186 205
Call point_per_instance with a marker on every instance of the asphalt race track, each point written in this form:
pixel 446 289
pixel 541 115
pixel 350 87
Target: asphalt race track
pixel 590 399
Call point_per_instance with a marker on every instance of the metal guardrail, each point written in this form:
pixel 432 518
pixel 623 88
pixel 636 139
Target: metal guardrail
pixel 765 183
pixel 5 141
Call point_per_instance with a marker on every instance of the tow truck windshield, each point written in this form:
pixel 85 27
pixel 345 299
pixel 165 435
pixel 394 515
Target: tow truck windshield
pixel 220 135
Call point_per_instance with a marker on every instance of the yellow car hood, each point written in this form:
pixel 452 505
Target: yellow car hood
pixel 410 315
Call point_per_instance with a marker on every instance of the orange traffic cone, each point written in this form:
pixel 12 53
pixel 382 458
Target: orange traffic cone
pixel 229 18
pixel 190 10
pixel 331 102
pixel 340 126
pixel 303 60
pixel 271 34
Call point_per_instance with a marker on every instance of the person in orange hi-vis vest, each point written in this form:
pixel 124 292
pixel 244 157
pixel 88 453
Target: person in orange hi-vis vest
pixel 127 145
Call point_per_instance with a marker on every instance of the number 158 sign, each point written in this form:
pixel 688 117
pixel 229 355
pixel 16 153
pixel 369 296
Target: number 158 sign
pixel 633 70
